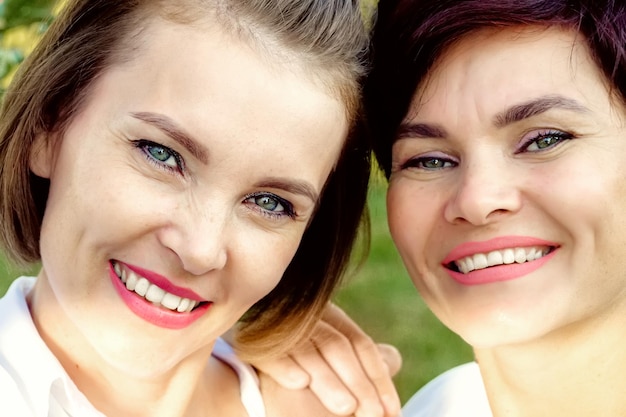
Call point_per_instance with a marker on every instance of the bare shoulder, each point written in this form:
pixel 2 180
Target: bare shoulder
pixel 283 402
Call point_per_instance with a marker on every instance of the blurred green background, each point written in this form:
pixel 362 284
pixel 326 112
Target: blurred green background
pixel 379 296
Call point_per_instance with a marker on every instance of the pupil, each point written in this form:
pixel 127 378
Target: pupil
pixel 159 153
pixel 267 203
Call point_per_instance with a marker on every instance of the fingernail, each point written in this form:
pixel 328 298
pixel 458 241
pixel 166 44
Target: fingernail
pixel 344 405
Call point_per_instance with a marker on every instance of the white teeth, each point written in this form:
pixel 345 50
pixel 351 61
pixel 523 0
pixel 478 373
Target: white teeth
pixel 142 286
pixel 480 261
pixel 170 301
pixel 153 293
pixel 508 256
pixel 131 281
pixel 184 305
pixel 118 270
pixel 500 257
pixel 494 258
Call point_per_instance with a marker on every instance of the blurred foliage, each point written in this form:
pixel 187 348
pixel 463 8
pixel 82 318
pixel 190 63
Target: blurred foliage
pixel 21 23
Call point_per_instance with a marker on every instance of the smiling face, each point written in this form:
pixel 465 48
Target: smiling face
pixel 188 177
pixel 513 155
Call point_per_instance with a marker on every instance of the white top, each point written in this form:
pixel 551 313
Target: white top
pixel 34 384
pixel 459 392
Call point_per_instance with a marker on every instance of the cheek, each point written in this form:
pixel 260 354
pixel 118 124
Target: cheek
pixel 409 217
pixel 263 261
pixel 588 202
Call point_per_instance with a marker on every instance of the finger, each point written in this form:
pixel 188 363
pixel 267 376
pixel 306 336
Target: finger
pixel 341 356
pixel 372 361
pixel 286 371
pixel 325 383
pixel 392 358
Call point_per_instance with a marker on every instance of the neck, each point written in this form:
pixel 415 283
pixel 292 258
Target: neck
pixel 194 387
pixel 577 371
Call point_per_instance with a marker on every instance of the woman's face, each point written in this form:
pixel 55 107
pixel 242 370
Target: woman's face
pixel 513 155
pixel 190 174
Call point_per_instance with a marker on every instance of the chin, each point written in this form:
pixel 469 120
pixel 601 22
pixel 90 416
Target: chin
pixel 489 335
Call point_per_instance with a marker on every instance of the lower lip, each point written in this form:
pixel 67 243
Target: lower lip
pixel 151 313
pixel 499 273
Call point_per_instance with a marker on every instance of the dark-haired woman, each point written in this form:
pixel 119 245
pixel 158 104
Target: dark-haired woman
pixel 501 126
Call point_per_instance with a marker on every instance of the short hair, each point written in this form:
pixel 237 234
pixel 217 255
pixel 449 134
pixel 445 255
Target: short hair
pixel 411 35
pixel 325 39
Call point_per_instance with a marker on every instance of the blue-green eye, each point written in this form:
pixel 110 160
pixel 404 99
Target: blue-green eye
pixel 545 139
pixel 161 155
pixel 271 205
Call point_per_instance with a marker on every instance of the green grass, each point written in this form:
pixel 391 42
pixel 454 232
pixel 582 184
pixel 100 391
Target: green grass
pixel 383 300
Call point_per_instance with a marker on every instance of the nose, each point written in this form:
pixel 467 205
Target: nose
pixel 485 192
pixel 199 239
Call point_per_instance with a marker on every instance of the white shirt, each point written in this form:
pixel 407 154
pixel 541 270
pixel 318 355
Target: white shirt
pixel 34 384
pixel 459 392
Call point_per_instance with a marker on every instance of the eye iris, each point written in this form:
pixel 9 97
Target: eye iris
pixel 267 202
pixel 434 163
pixel 546 142
pixel 158 153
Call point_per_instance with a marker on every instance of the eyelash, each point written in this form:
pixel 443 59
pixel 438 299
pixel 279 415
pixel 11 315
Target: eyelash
pixel 145 145
pixel 542 135
pixel 288 210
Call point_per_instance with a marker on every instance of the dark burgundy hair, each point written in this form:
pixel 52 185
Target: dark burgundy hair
pixel 410 35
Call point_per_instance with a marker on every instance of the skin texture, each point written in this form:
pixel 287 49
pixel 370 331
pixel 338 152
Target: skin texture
pixel 558 175
pixel 214 221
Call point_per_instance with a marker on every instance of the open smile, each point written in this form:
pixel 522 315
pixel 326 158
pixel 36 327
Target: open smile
pixel 152 297
pixel 153 293
pixel 506 256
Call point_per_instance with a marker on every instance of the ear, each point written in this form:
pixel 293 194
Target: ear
pixel 41 155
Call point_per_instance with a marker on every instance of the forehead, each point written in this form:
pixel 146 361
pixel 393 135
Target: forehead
pixel 225 95
pixel 491 69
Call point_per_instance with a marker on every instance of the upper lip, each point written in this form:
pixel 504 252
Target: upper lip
pixel 163 283
pixel 499 243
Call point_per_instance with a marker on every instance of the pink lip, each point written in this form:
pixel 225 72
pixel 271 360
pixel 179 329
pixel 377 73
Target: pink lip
pixel 159 316
pixel 501 272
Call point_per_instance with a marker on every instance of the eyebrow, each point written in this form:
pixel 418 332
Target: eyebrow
pixel 170 128
pixel 511 115
pixel 420 130
pixel 537 106
pixel 291 186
